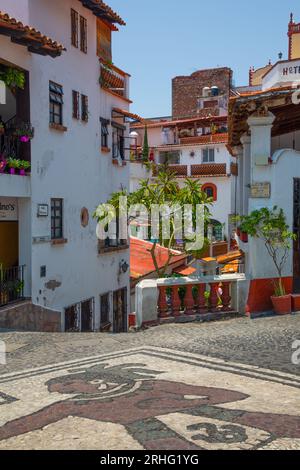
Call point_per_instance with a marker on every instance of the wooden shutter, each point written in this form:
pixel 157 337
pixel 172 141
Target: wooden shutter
pixel 75 99
pixel 74 28
pixel 84 108
pixel 104 41
pixel 83 34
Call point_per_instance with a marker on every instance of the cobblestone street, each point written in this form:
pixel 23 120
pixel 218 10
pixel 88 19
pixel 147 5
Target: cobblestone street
pixel 225 385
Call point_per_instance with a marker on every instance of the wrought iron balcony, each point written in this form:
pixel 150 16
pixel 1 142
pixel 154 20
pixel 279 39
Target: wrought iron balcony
pixel 11 285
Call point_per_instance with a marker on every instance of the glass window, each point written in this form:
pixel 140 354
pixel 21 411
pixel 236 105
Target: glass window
pixel 56 219
pixel 56 103
pixel 208 155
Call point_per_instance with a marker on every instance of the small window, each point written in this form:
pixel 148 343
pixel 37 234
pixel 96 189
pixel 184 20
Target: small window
pixel 75 99
pixel 208 155
pixel 84 108
pixel 74 28
pixel 56 219
pixel 83 34
pixel 171 158
pixel 209 191
pixel 56 103
pixel 118 143
pixel 104 132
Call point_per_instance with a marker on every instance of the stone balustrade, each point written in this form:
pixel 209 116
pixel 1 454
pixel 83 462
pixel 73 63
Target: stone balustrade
pixel 187 299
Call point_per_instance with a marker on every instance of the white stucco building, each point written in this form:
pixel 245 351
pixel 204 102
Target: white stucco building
pixel 76 101
pixel 264 136
pixel 195 148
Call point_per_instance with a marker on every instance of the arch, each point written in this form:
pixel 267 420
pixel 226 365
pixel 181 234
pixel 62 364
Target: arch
pixel 213 190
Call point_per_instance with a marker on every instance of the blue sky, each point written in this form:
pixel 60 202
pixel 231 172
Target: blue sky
pixel 165 38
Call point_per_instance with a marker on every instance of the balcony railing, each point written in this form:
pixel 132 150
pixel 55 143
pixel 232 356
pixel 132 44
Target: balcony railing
pixel 187 297
pixel 209 169
pixel 205 139
pixel 15 139
pixel 11 285
pixel 113 80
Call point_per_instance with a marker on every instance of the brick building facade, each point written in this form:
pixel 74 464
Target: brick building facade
pixel 187 93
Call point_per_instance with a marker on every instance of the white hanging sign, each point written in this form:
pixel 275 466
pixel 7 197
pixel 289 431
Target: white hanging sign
pixel 8 209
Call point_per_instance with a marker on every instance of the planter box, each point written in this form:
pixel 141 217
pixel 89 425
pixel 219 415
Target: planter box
pixel 296 303
pixel 282 305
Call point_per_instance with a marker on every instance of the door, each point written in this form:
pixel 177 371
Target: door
pixel 120 311
pixel 87 316
pixel 297 233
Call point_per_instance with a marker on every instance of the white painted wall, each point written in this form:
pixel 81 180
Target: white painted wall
pixel 68 165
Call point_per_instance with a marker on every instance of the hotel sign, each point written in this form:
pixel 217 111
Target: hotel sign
pixel 8 209
pixel 261 190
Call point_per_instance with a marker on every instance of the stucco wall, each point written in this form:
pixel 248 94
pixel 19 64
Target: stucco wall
pixel 68 165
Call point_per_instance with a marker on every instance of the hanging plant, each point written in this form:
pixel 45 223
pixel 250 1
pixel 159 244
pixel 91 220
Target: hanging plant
pixel 13 78
pixel 25 132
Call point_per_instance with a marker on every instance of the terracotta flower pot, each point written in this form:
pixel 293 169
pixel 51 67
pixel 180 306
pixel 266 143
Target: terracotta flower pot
pixel 238 232
pixel 282 305
pixel 296 303
pixel 244 237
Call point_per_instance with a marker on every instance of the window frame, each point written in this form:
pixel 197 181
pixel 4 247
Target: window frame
pixel 104 132
pixel 56 94
pixel 56 217
pixel 75 105
pixel 84 108
pixel 83 27
pixel 74 28
pixel 209 150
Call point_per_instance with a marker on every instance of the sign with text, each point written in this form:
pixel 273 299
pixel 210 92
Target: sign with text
pixel 8 209
pixel 261 190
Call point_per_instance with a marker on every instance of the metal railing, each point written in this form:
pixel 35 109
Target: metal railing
pixel 11 285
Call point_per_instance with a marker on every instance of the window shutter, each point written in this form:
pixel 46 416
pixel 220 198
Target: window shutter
pixel 84 108
pixel 83 34
pixel 75 104
pixel 74 28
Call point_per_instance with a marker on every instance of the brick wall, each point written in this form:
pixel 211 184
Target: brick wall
pixel 187 89
pixel 28 317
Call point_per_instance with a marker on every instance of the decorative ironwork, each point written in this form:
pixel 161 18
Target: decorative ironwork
pixel 11 285
pixel 15 139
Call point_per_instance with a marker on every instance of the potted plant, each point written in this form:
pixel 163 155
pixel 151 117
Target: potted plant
pixel 13 78
pixel 3 164
pixel 25 132
pixel 13 164
pixel 23 166
pixel 271 227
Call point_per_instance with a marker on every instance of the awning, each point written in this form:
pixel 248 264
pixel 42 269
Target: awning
pixel 103 11
pixel 185 271
pixel 27 36
pixel 117 113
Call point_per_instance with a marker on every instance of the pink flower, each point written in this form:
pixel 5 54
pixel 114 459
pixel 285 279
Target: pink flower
pixel 24 139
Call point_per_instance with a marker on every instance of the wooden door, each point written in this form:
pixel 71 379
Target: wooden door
pixel 87 316
pixel 120 311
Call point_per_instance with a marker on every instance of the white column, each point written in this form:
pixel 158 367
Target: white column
pixel 261 128
pixel 246 141
pixel 25 242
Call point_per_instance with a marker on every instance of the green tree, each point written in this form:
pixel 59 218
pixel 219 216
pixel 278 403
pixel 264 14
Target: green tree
pixel 165 191
pixel 145 153
pixel 271 227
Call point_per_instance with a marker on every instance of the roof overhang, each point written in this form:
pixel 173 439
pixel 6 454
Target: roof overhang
pixel 29 37
pixel 126 115
pixel 277 101
pixel 103 11
pixel 184 123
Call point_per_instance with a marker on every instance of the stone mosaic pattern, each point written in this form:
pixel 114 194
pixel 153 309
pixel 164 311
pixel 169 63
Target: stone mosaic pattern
pixel 152 398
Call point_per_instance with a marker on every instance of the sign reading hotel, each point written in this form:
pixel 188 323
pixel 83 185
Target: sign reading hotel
pixel 8 209
pixel 261 190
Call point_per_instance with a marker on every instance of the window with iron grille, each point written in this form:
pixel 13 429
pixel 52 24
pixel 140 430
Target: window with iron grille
pixel 118 142
pixel 104 132
pixel 56 103
pixel 74 28
pixel 83 34
pixel 75 99
pixel 208 155
pixel 84 108
pixel 56 219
